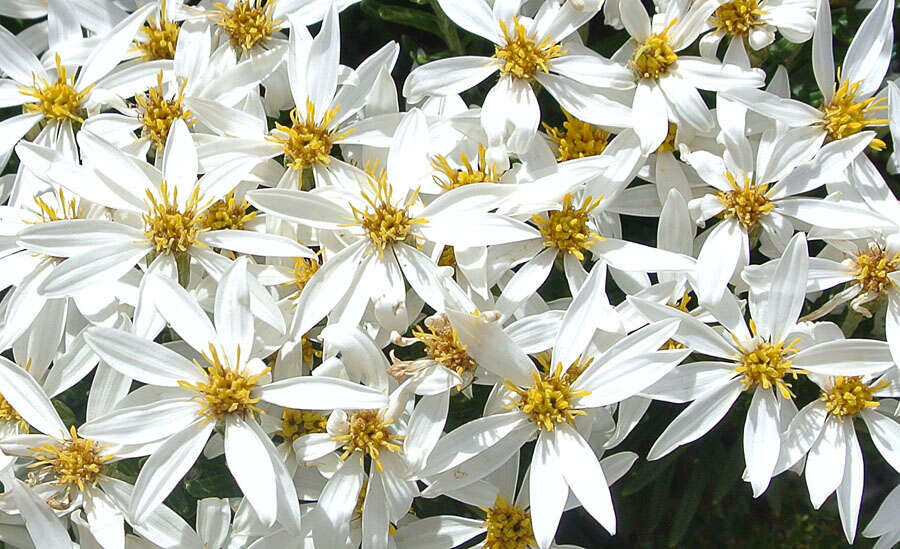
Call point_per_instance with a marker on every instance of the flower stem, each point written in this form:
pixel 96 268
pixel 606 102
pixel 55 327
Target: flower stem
pixel 448 29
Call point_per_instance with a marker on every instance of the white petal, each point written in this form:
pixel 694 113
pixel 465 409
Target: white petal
pixel 141 359
pixel 179 164
pixel 249 463
pixel 469 440
pixel 475 16
pixel 696 420
pixel 447 77
pixel 788 290
pixel 92 269
pixel 761 439
pixel 585 477
pixel 845 357
pixel 577 325
pixel 28 399
pixel 548 489
pixel 850 490
pixel 885 433
pixel 322 393
pixel 322 69
pixel 492 348
pixel 182 312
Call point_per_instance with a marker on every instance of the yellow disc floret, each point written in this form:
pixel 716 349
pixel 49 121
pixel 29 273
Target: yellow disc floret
pixel 160 37
pixel 577 139
pixel 508 526
pixel 172 229
pixel 248 24
pixel 567 229
pixel 442 345
pixel 549 400
pixel 451 178
pixel 369 434
pixel 296 423
pixel 75 463
pixel 848 396
pixel 227 213
pixel 307 142
pixel 746 203
pixel 737 18
pixel 227 390
pixel 523 56
pixel 766 364
pixel 62 210
pixel 872 267
pixel 383 221
pixel 158 113
pixel 845 115
pixel 653 57
pixel 58 100
pixel 8 415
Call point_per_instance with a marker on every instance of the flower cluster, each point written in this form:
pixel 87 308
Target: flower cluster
pixel 225 255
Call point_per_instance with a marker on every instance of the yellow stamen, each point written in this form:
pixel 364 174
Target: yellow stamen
pixel 67 209
pixel 737 18
pixel 248 24
pixel 57 101
pixel 296 423
pixel 523 56
pixel 161 35
pixel 369 435
pixel 453 177
pixel 577 139
pixel 746 203
pixel 227 213
pixel 653 57
pixel 227 391
pixel 76 463
pixel 508 526
pixel 443 346
pixel 308 142
pixel 169 228
pixel 382 220
pixel 683 307
pixel 567 229
pixel 548 401
pixel 872 267
pixel 850 395
pixel 304 269
pixel 158 114
pixel 845 115
pixel 767 364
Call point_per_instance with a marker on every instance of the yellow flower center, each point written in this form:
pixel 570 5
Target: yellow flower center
pixel 369 435
pixel 295 423
pixel 738 17
pixel 549 400
pixel 766 364
pixel 8 414
pixel 248 24
pixel 453 177
pixel 577 139
pixel 443 346
pixel 508 526
pixel 383 221
pixel 653 57
pixel 567 229
pixel 169 228
pixel 227 213
pixel 872 267
pixel 307 142
pixel 227 390
pixel 850 395
pixel 62 210
pixel 161 36
pixel 158 113
pixel 76 463
pixel 304 269
pixel 58 100
pixel 844 115
pixel 682 306
pixel 747 202
pixel 668 145
pixel 523 55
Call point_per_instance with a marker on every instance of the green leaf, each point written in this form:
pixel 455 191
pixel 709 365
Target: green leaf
pixel 689 504
pixel 411 17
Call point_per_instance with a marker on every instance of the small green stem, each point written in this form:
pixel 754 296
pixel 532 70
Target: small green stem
pixel 183 264
pixel 448 29
pixel 851 322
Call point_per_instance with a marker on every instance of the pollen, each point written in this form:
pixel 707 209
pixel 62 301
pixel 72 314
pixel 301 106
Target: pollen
pixel 76 463
pixel 523 56
pixel 161 36
pixel 845 115
pixel 9 415
pixel 172 229
pixel 307 142
pixel 577 139
pixel 63 209
pixel 248 24
pixel 158 113
pixel 668 144
pixel 443 346
pixel 737 18
pixel 369 434
pixel 567 229
pixel 766 364
pixel 383 221
pixel 653 57
pixel 58 100
pixel 227 390
pixel 549 400
pixel 747 203
pixel 296 423
pixel 872 267
pixel 508 526
pixel 227 213
pixel 850 395
pixel 304 269
pixel 451 178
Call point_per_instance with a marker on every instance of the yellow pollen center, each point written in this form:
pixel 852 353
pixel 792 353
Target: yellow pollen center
pixel 523 56
pixel 76 463
pixel 227 213
pixel 383 221
pixel 304 269
pixel 158 113
pixel 227 390
pixel 737 18
pixel 62 210
pixel 844 115
pixel 248 24
pixel 872 267
pixel 451 178
pixel 307 142
pixel 850 395
pixel 567 229
pixel 766 364
pixel 653 57
pixel 508 526
pixel 549 400
pixel 668 145
pixel 8 414
pixel 747 203
pixel 369 435
pixel 577 139
pixel 57 101
pixel 443 346
pixel 295 423
pixel 161 37
pixel 172 229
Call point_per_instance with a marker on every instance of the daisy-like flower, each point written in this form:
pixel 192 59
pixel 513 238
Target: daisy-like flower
pixel 161 214
pixel 849 104
pixel 526 51
pixel 666 82
pixel 183 402
pixel 548 403
pixel 762 359
pixel 756 22
pixel 824 432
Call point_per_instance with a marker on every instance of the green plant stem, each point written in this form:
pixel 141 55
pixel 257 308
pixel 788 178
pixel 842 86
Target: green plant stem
pixel 448 29
pixel 851 322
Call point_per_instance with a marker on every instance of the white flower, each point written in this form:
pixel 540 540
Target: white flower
pixel 884 524
pixel 756 22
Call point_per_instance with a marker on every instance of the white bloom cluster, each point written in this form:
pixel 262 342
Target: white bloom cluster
pixel 236 246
